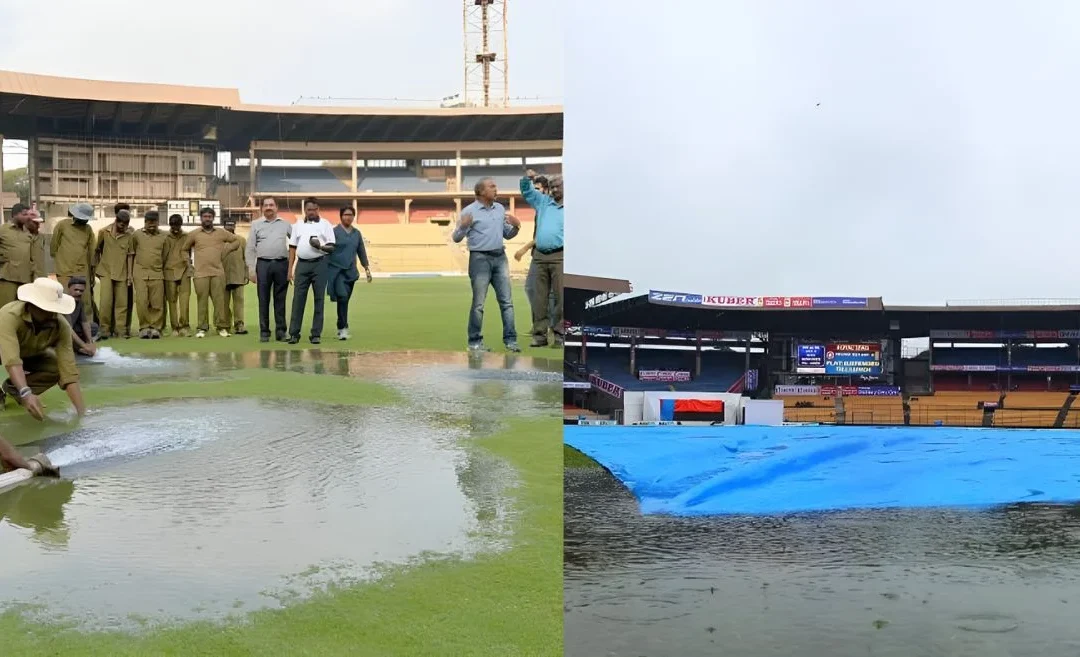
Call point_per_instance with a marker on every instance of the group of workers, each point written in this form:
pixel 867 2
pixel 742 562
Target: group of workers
pixel 44 322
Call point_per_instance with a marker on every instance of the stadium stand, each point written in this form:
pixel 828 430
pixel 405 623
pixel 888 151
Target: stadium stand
pixel 719 369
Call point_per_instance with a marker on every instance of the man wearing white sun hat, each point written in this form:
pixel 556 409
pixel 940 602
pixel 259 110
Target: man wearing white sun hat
pixel 36 347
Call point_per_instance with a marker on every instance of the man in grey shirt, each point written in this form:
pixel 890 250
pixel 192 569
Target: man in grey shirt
pixel 268 266
pixel 486 225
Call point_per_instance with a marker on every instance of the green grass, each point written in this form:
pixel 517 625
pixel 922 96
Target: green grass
pixel 575 459
pixel 500 604
pixel 386 315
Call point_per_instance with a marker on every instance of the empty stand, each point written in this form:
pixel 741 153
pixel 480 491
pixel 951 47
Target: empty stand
pixel 874 410
pixel 719 369
pixel 809 408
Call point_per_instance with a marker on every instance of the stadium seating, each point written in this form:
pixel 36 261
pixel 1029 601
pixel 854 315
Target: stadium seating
pixel 821 409
pixel 719 370
pixel 305 180
pixel 873 410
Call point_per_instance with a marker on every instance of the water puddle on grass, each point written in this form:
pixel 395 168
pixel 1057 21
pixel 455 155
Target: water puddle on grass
pixel 201 509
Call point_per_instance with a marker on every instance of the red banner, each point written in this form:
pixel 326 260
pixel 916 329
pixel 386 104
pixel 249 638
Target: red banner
pixel 699 406
pixel 788 302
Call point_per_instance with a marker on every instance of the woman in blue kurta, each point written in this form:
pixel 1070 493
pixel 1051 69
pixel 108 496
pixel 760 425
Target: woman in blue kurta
pixel 342 273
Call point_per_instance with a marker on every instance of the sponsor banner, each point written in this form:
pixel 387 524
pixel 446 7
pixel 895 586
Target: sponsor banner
pixel 796 391
pixel 1019 369
pixel 679 298
pixel 963 368
pixel 860 391
pixel 597 423
pixel 664 376
pixel 1036 334
pixel 950 335
pixel 840 302
pixel 787 302
pixel 751 380
pixel 576 385
pixel 625 332
pixel 733 302
pixel 853 359
pixel 610 388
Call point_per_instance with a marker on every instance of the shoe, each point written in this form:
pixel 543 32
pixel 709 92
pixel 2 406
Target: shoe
pixel 155 334
pixel 281 337
pixel 200 334
pixel 539 342
pixel 264 338
pixel 144 334
pixel 343 334
pixel 223 333
pixel 103 337
pixel 316 339
pixel 293 339
pixel 513 347
pixel 240 331
pixel 183 333
pixel 559 342
pixel 477 347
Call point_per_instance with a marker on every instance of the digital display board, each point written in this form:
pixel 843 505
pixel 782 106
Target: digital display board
pixel 853 359
pixel 810 359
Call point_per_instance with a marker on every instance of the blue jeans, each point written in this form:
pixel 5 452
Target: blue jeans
pixel 530 285
pixel 490 268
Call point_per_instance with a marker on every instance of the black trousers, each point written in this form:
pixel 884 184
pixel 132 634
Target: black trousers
pixel 309 275
pixel 272 280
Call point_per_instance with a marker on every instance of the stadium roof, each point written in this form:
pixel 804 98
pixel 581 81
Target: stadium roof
pixel 41 105
pixel 875 319
pixel 579 290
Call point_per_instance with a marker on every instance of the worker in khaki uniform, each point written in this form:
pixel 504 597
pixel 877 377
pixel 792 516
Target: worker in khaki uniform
pixel 72 250
pixel 16 247
pixel 36 348
pixel 178 273
pixel 113 267
pixel 149 248
pixel 236 277
pixel 37 246
pixel 209 246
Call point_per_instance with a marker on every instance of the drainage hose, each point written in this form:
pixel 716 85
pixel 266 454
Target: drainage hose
pixel 39 466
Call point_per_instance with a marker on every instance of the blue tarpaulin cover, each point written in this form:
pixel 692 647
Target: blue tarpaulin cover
pixel 761 470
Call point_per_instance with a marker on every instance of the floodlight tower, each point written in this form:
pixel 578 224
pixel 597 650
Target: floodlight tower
pixel 486 67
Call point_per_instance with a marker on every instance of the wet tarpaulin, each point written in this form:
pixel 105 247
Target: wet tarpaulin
pixel 754 470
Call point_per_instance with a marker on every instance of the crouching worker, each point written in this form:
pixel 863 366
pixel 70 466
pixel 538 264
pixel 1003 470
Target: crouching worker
pixel 83 331
pixel 36 346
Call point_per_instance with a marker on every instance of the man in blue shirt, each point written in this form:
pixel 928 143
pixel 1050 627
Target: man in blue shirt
pixel 548 256
pixel 486 225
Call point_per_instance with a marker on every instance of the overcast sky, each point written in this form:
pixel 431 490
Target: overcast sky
pixel 275 51
pixel 940 164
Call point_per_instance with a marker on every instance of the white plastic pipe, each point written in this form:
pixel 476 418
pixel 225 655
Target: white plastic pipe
pixel 12 479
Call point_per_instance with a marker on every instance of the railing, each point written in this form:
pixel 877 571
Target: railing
pixel 945 416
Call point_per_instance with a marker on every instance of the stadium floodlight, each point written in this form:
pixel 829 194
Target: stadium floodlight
pixel 486 65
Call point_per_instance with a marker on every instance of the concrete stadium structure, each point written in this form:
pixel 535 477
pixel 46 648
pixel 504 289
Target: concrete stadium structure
pixel 1007 365
pixel 407 172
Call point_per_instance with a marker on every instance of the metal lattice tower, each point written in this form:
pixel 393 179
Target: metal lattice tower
pixel 487 82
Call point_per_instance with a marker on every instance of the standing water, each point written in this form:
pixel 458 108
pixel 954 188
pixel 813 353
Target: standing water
pixel 199 509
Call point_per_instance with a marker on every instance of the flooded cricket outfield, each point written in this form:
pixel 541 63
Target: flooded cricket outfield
pixel 204 508
pixel 899 582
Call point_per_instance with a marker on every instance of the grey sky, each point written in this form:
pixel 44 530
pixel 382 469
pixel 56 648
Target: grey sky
pixel 941 163
pixel 275 51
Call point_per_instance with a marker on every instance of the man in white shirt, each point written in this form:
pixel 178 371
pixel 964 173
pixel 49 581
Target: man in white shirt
pixel 309 243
